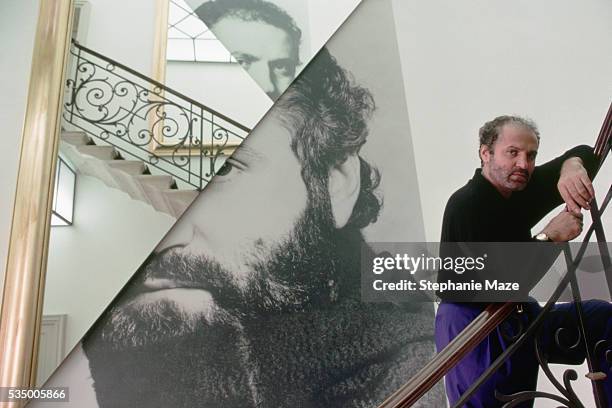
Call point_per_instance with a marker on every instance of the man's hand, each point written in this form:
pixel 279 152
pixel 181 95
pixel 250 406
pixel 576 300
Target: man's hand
pixel 575 186
pixel 564 227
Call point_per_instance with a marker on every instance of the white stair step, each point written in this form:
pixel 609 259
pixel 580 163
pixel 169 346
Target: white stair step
pixel 99 152
pixel 179 200
pixel 123 172
pixel 76 138
pixel 70 151
pixel 160 182
pixel 132 167
pixel 152 187
pixel 187 196
pixel 88 164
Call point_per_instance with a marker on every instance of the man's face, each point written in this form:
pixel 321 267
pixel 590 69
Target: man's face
pixel 264 50
pixel 254 241
pixel 512 160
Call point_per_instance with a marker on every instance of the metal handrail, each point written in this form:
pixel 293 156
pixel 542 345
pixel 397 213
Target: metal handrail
pixel 142 118
pixel 496 313
pixel 450 356
pixel 160 85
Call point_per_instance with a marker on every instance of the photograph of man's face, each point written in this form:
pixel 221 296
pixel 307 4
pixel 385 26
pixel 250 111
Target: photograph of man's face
pixel 259 260
pixel 262 37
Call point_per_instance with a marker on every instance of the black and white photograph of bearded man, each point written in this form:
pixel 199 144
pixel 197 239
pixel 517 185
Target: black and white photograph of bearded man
pixel 253 299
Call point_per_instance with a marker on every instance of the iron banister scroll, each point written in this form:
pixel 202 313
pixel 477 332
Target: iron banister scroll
pixel 160 85
pixel 147 120
pixel 496 313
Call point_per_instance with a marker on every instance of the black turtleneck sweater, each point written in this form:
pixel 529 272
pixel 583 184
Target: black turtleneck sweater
pixel 477 212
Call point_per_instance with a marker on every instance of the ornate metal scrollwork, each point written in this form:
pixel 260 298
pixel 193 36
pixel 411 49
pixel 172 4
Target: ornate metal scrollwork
pixel 602 351
pixel 513 327
pixel 220 138
pixel 566 340
pixel 145 119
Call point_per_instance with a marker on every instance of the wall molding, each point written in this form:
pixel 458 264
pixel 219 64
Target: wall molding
pixel 26 264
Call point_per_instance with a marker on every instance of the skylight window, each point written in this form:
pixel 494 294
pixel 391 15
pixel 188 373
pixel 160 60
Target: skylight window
pixel 189 39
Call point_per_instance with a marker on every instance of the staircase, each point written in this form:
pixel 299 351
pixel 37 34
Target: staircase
pixel 131 176
pixel 122 125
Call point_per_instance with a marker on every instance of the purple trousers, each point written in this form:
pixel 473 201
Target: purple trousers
pixel 520 371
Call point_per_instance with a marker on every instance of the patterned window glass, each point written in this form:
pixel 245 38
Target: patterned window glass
pixel 189 39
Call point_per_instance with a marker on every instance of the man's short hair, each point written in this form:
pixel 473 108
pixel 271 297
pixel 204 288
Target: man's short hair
pixel 327 115
pixel 489 132
pixel 251 10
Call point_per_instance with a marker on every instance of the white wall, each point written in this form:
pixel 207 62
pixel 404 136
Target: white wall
pixel 325 18
pixel 17 28
pixel 123 31
pixel 467 62
pixel 224 87
pixel 90 261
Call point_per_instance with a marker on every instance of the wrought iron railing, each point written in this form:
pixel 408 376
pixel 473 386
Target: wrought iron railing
pixel 145 119
pixel 497 313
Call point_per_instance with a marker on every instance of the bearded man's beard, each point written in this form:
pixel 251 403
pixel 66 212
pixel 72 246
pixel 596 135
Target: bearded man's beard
pixel 503 176
pixel 138 350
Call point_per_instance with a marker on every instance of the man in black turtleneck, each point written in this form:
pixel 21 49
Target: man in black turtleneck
pixel 504 200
